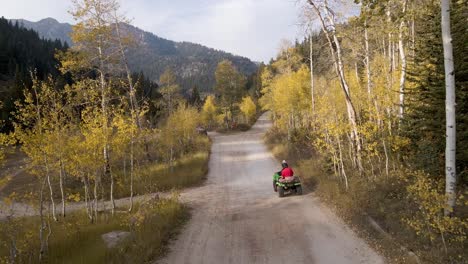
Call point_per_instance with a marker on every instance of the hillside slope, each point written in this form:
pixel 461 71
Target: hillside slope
pixel 193 64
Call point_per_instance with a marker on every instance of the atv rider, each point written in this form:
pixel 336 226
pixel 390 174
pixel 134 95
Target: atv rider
pixel 286 173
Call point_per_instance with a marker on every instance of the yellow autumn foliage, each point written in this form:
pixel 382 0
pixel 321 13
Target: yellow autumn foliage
pixel 248 108
pixel 209 110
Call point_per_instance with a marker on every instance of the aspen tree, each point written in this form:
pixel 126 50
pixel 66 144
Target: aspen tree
pixel 92 36
pixel 229 87
pixel 329 29
pixel 450 151
pixel 401 49
pixel 209 110
pixel 37 141
pixel 311 62
pixel 248 108
pixel 170 90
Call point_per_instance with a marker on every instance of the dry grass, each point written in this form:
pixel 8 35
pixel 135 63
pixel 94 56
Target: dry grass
pixel 188 171
pixel 75 240
pixel 382 198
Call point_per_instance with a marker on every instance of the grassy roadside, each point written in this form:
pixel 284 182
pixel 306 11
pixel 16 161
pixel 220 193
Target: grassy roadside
pixel 187 171
pixel 381 200
pixel 75 240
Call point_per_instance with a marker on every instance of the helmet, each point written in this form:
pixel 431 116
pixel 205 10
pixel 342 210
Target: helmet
pixel 284 164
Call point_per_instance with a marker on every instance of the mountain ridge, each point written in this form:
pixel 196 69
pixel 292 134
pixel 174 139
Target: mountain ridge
pixel 194 64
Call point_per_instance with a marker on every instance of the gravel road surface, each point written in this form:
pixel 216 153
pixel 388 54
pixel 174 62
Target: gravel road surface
pixel 237 218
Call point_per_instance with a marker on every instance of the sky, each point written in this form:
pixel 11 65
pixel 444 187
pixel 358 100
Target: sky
pixel 250 28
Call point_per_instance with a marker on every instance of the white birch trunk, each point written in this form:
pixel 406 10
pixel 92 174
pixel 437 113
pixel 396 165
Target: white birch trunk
pixel 401 49
pixel 131 173
pixel 450 150
pixel 86 193
pixel 390 43
pixel 54 215
pixel 356 73
pixel 112 191
pixel 343 172
pixel 62 192
pixel 367 60
pixel 312 88
pixel 42 227
pixel 339 68
pixel 384 48
pixel 413 40
pixel 96 182
pixel 386 156
pixel 133 102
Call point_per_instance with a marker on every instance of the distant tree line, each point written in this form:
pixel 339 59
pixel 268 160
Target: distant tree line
pixel 21 52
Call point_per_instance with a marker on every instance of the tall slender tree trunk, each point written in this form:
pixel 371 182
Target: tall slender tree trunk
pixel 390 39
pixel 384 48
pixel 413 39
pixel 54 215
pixel 401 49
pixel 133 102
pixel 450 146
pixel 49 233
pixel 349 104
pixel 367 61
pixel 335 50
pixel 311 58
pixel 46 162
pixel 356 74
pixel 112 191
pixel 343 172
pixel 370 97
pixel 62 192
pixel 105 124
pixel 86 193
pixel 386 156
pixel 96 200
pixel 135 108
pixel 131 172
pixel 42 227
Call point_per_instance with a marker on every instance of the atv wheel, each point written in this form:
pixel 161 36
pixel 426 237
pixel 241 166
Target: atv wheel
pixel 275 187
pixel 299 190
pixel 280 191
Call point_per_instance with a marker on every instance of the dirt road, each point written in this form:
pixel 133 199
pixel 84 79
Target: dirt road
pixel 237 218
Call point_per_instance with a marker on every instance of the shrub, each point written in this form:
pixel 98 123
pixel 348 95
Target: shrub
pixel 429 221
pixel 152 226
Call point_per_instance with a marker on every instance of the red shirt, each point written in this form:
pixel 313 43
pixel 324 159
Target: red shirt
pixel 287 172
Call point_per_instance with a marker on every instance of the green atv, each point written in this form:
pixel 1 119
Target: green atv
pixel 283 187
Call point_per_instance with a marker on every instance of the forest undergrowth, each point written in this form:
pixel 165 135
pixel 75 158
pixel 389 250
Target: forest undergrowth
pixel 386 200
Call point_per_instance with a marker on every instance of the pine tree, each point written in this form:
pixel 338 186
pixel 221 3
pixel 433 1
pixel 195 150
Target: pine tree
pixel 425 121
